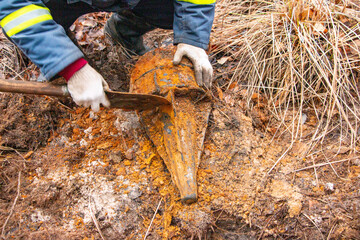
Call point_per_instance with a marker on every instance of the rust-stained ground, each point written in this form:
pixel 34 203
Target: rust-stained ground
pixel 102 169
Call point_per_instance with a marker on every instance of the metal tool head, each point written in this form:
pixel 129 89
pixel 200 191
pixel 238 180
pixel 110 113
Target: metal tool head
pixel 135 101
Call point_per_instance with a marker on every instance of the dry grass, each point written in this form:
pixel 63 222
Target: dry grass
pixel 11 64
pixel 303 55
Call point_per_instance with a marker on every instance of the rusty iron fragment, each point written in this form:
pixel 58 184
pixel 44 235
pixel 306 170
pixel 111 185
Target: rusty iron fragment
pixel 176 130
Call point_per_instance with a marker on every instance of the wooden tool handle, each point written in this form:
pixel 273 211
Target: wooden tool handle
pixel 37 88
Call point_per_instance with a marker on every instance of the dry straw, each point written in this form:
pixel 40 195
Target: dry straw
pixel 11 60
pixel 302 55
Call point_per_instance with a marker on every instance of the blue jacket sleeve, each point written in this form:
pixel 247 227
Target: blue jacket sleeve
pixel 28 23
pixel 193 21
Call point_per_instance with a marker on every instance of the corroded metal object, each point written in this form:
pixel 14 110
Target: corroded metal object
pixel 177 130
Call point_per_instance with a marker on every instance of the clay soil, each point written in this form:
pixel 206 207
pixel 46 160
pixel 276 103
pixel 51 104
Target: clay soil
pixel 69 173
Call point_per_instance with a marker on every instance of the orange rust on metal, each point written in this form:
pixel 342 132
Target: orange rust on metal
pixel 177 130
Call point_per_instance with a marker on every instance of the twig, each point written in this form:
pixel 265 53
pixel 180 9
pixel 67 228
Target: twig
pixel 330 232
pixel 327 160
pixel 322 236
pixel 3 148
pixel 322 164
pixel 123 139
pixel 12 207
pixel 61 104
pixel 21 157
pixel 282 156
pixel 224 114
pixel 157 209
pixel 317 180
pixel 95 220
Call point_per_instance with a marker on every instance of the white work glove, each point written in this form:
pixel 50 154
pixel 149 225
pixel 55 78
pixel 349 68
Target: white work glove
pixel 87 86
pixel 200 60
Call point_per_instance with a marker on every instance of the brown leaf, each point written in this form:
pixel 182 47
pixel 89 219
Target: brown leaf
pixel 223 60
pixel 229 100
pixel 89 23
pixel 319 28
pixel 355 47
pixel 255 97
pixel 233 85
pixel 28 154
pixel 220 93
pixel 105 145
pixel 79 35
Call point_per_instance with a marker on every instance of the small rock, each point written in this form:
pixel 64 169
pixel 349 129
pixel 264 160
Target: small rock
pixel 260 134
pixel 316 219
pixel 92 115
pixel 39 171
pixel 356 161
pixel 121 171
pixel 130 154
pixel 207 152
pixel 83 143
pixel 341 150
pixel 88 130
pixel 294 207
pixel 39 216
pixel 329 187
pixel 116 157
pixel 303 119
pixel 127 163
pixel 219 201
pixel 100 170
pixel 63 141
pixel 135 193
pixel 313 205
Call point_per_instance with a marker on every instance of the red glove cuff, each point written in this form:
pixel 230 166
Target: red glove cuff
pixel 69 71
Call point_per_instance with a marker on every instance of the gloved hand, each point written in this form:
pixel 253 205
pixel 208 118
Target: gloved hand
pixel 87 86
pixel 202 66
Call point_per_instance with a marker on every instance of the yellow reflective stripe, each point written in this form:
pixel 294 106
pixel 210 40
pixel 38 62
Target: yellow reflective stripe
pixel 27 24
pixel 199 1
pixel 20 12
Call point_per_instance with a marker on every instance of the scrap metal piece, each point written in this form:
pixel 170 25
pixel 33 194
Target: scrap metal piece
pixel 176 130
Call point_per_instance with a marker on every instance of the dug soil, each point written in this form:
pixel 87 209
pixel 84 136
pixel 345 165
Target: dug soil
pixel 69 173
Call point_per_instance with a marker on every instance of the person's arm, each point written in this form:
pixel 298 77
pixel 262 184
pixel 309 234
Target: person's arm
pixel 30 26
pixel 193 21
pixel 192 26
